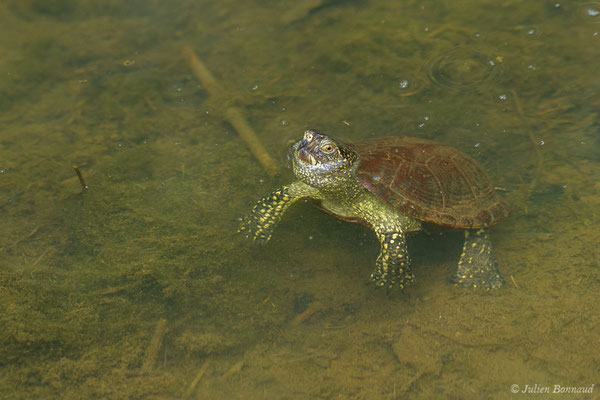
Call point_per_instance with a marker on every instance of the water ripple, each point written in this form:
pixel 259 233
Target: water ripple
pixel 464 68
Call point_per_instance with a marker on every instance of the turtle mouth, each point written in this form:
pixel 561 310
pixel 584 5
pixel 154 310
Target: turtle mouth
pixel 302 154
pixel 306 157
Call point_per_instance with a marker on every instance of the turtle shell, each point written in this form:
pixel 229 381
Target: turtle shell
pixel 429 181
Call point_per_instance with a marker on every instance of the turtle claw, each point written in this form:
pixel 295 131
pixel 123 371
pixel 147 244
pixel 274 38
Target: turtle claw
pixel 405 279
pixel 378 286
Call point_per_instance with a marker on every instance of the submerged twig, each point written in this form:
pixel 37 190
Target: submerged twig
pixel 33 232
pixel 237 367
pixel 192 387
pixel 514 281
pixel 312 309
pixel 233 114
pixel 155 345
pixel 201 72
pixel 238 121
pixel 80 176
pixel 37 260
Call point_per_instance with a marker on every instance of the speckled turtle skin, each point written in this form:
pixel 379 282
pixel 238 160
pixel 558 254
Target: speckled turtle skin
pixel 392 185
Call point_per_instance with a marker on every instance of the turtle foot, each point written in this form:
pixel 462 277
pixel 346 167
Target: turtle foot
pixel 399 280
pixel 477 266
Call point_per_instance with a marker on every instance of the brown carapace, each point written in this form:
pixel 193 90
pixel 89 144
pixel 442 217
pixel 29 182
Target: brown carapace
pixel 429 181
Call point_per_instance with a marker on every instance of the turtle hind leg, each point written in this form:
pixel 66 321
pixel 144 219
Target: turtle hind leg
pixel 477 266
pixel 393 266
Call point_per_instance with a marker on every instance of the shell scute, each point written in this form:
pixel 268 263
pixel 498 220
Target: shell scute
pixel 429 181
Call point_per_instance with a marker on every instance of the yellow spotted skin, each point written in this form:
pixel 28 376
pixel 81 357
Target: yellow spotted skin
pixel 393 266
pixel 265 214
pixel 477 267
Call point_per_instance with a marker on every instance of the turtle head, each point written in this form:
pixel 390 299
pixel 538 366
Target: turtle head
pixel 323 162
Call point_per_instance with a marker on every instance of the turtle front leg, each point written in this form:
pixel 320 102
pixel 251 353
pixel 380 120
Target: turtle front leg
pixel 393 266
pixel 477 266
pixel 258 225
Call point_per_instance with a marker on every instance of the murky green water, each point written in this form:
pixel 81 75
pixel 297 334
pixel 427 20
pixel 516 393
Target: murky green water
pixel 87 277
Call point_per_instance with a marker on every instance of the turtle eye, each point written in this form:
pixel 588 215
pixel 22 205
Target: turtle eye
pixel 308 135
pixel 327 148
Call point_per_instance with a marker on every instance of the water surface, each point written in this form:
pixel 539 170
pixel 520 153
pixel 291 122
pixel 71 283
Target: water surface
pixel 86 276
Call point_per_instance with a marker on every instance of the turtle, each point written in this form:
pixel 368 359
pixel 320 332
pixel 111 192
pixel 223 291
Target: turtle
pixel 396 186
